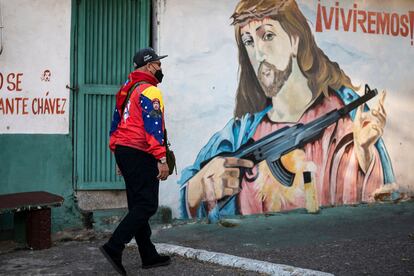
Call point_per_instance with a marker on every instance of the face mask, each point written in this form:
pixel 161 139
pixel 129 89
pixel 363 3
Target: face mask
pixel 159 75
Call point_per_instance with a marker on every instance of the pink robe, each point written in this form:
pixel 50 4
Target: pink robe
pixel 339 179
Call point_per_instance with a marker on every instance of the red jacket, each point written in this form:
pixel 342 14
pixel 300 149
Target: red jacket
pixel 142 123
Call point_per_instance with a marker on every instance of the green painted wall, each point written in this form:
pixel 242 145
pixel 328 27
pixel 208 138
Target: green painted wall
pixel 40 163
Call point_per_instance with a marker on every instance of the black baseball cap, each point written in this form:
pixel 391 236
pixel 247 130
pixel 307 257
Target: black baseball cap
pixel 145 56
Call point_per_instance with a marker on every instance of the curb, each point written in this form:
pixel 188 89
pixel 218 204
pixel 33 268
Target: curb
pixel 237 262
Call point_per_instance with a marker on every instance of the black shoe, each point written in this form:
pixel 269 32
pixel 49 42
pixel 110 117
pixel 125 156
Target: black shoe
pixel 114 259
pixel 157 261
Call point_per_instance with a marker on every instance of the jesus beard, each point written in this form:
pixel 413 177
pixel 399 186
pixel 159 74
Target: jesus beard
pixel 271 79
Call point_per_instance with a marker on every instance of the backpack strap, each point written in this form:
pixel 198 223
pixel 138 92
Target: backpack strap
pixel 130 93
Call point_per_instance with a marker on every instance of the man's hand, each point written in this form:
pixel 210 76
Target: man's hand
pixel 118 171
pixel 368 128
pixel 163 171
pixel 219 178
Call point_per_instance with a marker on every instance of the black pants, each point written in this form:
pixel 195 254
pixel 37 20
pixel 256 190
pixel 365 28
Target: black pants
pixel 140 171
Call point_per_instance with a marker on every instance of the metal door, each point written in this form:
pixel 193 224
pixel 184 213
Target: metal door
pixel 106 35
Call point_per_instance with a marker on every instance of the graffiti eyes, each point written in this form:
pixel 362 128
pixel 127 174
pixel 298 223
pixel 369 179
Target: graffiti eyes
pixel 268 36
pixel 247 40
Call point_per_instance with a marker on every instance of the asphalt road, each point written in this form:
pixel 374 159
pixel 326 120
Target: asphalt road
pixel 362 240
pixel 84 258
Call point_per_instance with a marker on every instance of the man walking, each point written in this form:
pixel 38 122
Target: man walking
pixel 138 143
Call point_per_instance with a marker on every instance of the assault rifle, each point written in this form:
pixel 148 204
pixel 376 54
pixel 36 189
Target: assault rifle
pixel 278 143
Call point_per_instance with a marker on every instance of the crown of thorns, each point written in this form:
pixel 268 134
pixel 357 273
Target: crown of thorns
pixel 265 10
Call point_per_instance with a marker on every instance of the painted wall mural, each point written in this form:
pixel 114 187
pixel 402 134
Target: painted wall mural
pixel 283 149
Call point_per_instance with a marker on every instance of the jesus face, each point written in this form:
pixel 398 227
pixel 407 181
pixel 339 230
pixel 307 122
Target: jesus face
pixel 270 50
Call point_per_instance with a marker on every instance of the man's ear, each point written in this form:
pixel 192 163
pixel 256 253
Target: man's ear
pixel 295 44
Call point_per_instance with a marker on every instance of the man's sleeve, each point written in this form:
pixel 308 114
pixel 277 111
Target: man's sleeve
pixel 152 107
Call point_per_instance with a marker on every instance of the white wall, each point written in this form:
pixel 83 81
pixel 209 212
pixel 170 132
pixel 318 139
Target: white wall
pixel 36 37
pixel 201 75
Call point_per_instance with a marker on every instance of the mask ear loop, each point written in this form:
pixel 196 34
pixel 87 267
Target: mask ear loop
pixel 149 68
pixel 156 69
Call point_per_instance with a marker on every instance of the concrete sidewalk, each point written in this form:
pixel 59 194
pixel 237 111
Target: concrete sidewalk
pixel 363 240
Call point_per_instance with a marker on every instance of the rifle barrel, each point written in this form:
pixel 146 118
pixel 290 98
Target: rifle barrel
pixel 288 138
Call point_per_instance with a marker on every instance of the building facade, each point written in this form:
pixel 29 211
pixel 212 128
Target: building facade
pixel 62 62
